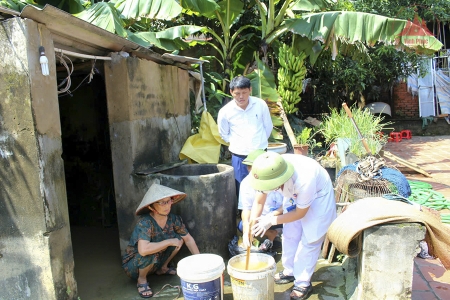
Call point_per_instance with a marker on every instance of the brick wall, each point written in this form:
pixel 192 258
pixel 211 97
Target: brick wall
pixel 405 104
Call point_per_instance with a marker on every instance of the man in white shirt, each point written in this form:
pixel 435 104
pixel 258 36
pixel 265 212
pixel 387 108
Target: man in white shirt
pixel 245 123
pixel 272 206
pixel 309 208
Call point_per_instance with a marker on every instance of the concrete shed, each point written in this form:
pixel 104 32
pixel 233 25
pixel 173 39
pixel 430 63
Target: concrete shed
pixel 71 142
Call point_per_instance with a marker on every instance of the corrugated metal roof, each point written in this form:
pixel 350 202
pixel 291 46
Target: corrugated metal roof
pixel 73 34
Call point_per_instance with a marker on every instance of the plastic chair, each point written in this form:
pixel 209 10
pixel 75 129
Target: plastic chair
pixel 406 134
pixel 395 137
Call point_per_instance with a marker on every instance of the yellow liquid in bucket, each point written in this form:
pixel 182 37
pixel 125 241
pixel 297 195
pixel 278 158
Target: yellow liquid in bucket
pixel 254 266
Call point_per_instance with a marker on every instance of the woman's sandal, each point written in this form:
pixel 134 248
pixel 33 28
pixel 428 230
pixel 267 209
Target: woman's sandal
pixel 304 292
pixel 284 279
pixel 146 289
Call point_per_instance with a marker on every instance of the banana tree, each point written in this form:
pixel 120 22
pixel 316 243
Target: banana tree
pixel 272 20
pixel 228 41
pixel 264 87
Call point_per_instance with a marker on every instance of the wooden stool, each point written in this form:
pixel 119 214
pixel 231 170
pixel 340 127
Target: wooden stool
pixel 395 137
pixel 406 134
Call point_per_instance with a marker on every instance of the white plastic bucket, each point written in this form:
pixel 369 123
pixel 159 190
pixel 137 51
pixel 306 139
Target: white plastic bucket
pixel 255 283
pixel 201 276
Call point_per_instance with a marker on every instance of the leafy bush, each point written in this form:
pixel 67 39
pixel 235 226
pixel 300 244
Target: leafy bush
pixel 339 125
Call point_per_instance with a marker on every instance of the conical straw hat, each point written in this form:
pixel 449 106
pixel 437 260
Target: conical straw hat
pixel 158 192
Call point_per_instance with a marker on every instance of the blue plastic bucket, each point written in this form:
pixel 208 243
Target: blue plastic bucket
pixel 201 276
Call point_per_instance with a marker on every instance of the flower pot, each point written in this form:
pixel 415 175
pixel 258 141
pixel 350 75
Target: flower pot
pixel 301 149
pixel 277 147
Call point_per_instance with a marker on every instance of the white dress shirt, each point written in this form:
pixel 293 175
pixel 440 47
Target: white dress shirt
pixel 245 130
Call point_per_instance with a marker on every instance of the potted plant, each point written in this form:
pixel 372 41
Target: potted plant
pixel 302 140
pixel 338 128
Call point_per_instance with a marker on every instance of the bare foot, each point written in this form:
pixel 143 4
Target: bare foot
pixel 166 271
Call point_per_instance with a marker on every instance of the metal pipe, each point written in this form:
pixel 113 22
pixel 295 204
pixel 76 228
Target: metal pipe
pixel 70 53
pixel 203 85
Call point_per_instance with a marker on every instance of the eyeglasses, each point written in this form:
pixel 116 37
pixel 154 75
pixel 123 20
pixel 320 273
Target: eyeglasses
pixel 164 203
pixel 266 192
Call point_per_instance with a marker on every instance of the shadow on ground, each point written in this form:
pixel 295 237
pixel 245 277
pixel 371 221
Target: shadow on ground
pixel 100 276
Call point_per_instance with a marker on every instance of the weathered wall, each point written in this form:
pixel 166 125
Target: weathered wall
pixel 36 259
pixel 148 110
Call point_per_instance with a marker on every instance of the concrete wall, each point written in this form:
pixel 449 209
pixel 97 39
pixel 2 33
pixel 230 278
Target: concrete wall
pixel 36 260
pixel 148 110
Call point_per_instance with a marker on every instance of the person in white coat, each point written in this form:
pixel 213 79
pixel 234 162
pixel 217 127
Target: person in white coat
pixel 309 208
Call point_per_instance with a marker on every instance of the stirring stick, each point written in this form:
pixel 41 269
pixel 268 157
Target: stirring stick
pixel 247 258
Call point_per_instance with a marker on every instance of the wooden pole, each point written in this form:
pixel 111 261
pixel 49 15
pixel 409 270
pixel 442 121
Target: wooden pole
pixel 406 163
pixel 287 126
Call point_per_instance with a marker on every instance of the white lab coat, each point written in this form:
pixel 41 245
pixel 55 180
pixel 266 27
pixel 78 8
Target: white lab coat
pixel 310 186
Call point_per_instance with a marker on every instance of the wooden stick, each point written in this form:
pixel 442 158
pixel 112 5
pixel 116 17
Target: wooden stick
pixel 361 137
pixel 406 163
pixel 247 258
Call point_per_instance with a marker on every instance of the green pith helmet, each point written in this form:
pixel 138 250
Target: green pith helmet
pixel 252 156
pixel 270 171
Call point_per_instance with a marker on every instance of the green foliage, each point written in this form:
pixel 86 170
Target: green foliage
pixel 306 137
pixel 263 82
pixel 303 137
pixel 13 4
pixel 353 80
pixel 430 10
pixel 104 15
pixel 312 143
pixel 339 125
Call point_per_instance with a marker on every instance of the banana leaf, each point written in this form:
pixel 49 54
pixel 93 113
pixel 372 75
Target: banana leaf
pixel 205 8
pixel 104 15
pixel 311 5
pixel 352 27
pixel 263 82
pixel 152 9
pixel 169 39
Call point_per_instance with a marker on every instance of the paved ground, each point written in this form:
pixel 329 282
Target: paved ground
pixel 430 280
pixel 97 255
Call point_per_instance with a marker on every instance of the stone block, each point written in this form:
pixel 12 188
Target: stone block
pixel 386 262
